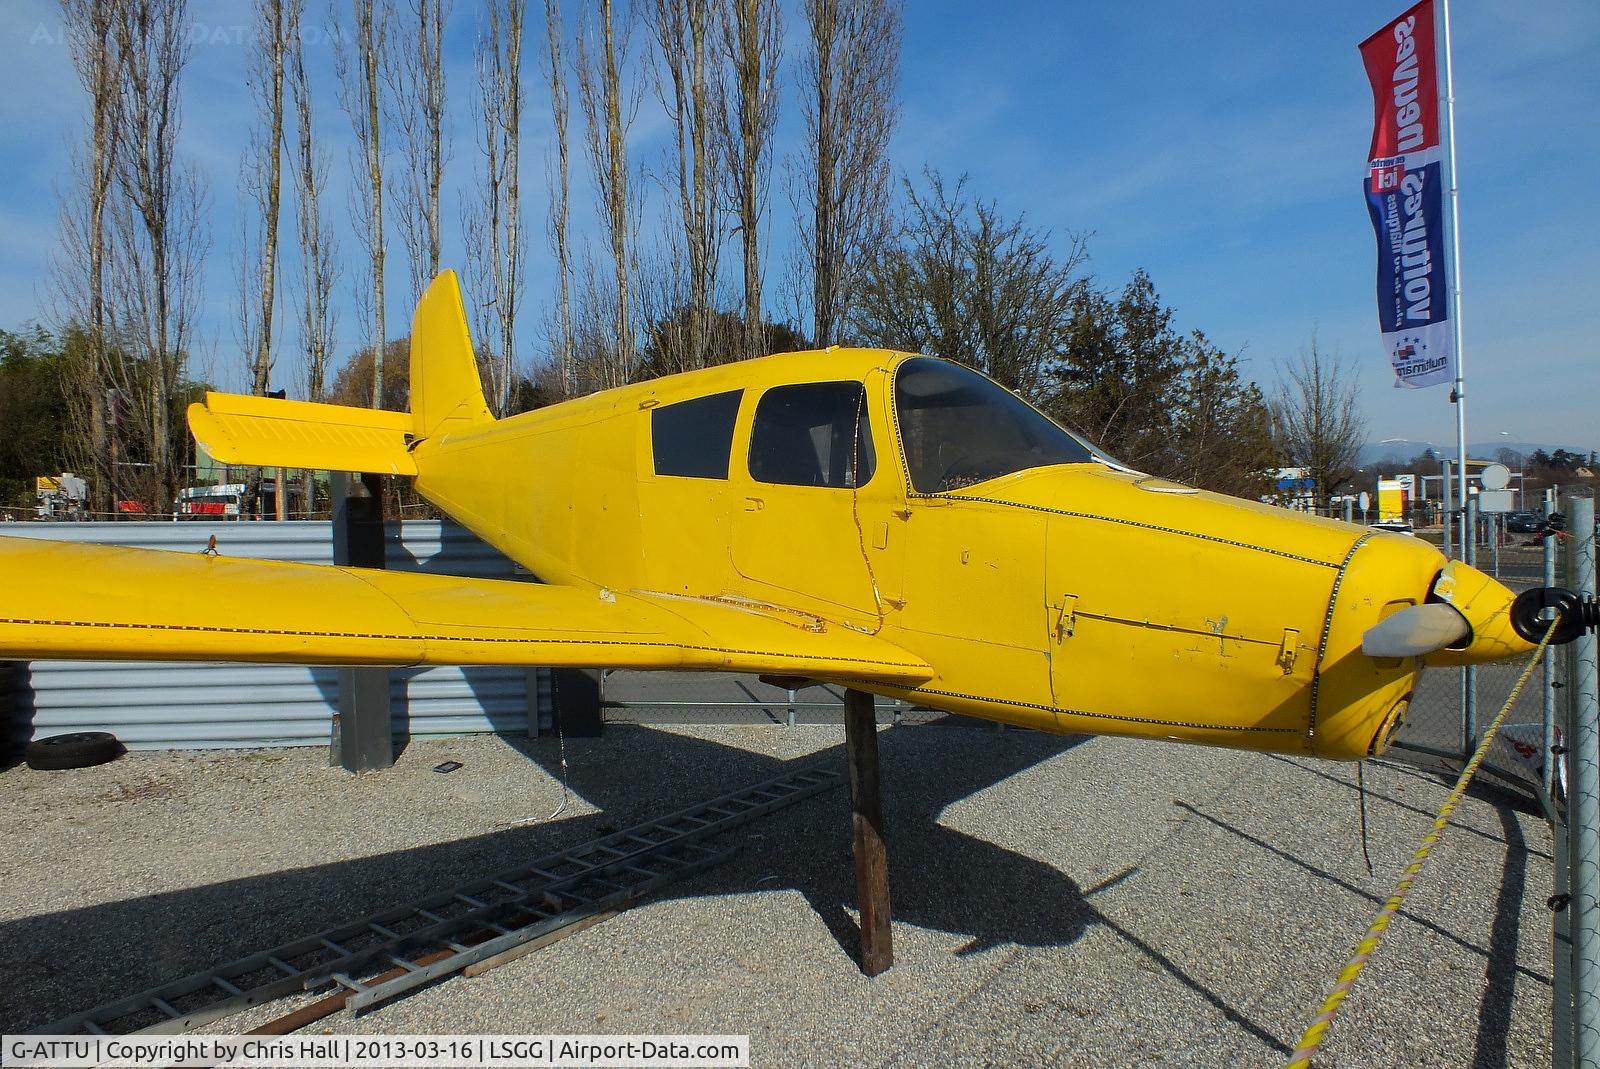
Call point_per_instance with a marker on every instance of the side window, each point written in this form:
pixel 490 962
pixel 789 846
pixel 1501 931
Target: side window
pixel 693 438
pixel 812 434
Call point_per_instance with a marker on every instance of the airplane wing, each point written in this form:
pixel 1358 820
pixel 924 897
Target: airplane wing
pixel 79 602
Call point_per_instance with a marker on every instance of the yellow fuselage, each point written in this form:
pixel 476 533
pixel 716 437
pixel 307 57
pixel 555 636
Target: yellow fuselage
pixel 1075 597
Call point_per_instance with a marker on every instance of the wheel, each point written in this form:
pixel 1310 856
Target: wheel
pixel 77 750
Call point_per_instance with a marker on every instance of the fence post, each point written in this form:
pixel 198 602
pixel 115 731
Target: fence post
pixel 1549 759
pixel 1469 674
pixel 1446 504
pixel 1583 796
pixel 1496 532
pixel 1561 832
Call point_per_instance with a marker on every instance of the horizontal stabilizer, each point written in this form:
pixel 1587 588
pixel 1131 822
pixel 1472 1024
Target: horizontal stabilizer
pixel 274 433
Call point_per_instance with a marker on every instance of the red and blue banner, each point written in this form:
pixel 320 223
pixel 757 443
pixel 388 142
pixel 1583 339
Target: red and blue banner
pixel 1405 195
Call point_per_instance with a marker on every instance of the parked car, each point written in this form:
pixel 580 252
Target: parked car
pixel 1524 522
pixel 1395 526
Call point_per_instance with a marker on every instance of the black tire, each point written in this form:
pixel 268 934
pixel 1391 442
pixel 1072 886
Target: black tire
pixel 81 749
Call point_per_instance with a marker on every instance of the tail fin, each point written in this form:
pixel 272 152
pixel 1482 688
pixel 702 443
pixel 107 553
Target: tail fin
pixel 446 393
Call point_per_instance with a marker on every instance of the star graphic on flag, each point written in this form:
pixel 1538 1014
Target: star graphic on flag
pixel 1410 347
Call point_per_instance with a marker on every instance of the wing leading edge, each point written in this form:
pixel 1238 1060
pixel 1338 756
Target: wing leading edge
pixel 79 602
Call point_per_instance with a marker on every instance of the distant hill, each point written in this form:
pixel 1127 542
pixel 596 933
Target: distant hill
pixel 1378 452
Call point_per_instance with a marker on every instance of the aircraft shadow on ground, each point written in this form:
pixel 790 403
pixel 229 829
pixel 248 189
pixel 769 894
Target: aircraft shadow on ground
pixel 70 960
pixel 941 879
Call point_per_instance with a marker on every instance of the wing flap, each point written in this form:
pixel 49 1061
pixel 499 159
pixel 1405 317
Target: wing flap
pixel 272 432
pixel 77 602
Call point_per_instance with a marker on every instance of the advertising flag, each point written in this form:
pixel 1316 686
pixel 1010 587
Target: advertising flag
pixel 1405 195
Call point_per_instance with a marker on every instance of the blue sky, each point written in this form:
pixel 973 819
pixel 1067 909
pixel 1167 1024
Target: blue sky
pixel 1220 147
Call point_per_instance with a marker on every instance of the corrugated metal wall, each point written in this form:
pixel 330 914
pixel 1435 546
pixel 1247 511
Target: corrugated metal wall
pixel 159 706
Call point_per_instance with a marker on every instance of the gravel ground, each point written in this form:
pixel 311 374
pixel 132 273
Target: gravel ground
pixel 1074 902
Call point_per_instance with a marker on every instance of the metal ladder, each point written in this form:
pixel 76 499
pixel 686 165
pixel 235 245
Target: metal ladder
pixel 449 931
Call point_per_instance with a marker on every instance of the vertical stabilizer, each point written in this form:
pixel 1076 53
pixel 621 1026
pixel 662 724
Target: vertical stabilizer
pixel 446 393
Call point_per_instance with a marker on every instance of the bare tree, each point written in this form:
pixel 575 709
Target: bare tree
pixel 415 71
pixel 609 109
pixel 673 330
pixel 158 229
pixel 494 225
pixel 594 325
pixel 318 251
pixel 751 44
pixel 261 177
pixel 963 281
pixel 360 91
pixel 682 32
pixel 1317 418
pixel 558 220
pixel 80 270
pixel 841 190
pixel 261 181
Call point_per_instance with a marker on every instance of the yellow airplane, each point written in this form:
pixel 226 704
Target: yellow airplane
pixel 887 521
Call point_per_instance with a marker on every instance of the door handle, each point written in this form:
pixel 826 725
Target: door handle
pixel 1066 617
pixel 754 504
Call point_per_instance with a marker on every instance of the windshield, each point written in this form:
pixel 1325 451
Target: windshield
pixel 959 428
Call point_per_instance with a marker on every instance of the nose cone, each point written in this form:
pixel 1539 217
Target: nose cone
pixel 1486 605
pixel 1362 698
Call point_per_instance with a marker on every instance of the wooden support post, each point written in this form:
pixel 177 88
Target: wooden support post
pixel 866 821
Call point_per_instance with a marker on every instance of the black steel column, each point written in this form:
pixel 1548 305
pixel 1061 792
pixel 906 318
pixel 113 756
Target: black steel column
pixel 575 701
pixel 363 738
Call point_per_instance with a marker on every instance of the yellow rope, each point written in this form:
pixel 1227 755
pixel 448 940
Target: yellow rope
pixel 1312 1039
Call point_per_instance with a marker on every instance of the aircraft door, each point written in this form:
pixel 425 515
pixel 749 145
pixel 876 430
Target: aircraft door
pixel 796 537
pixel 684 493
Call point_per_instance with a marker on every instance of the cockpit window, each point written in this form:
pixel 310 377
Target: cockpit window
pixel 812 434
pixel 959 428
pixel 693 438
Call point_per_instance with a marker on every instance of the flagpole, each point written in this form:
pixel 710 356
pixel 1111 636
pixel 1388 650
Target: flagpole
pixel 1458 391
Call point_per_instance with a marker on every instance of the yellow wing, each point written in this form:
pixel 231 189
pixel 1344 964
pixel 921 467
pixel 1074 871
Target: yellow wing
pixel 76 602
